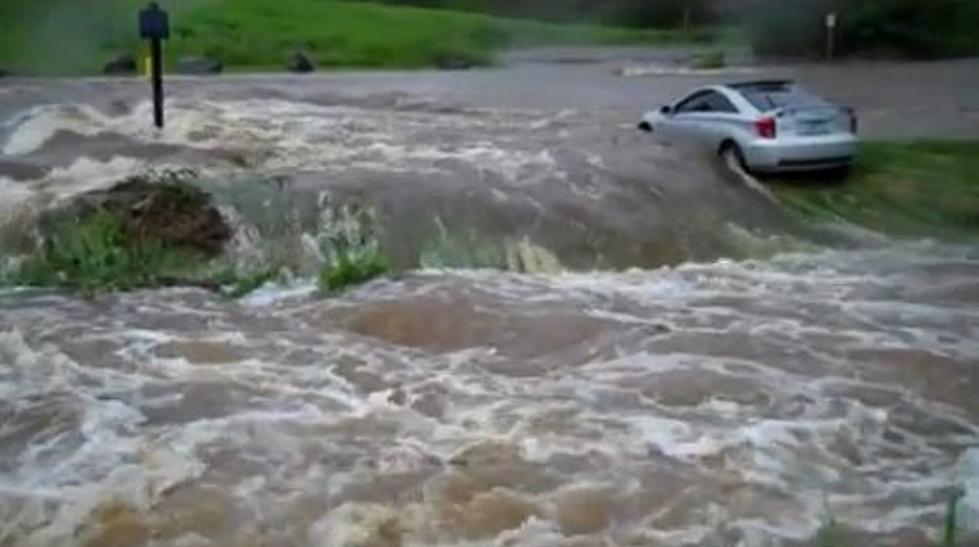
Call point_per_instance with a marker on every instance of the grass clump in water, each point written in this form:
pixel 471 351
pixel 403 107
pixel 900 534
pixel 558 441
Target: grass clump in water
pixel 917 189
pixel 151 230
pixel 462 248
pixel 350 268
pixel 98 254
pixel 352 249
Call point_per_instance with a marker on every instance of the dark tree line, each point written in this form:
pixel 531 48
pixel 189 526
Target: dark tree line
pixel 636 13
pixel 917 28
pixel 914 28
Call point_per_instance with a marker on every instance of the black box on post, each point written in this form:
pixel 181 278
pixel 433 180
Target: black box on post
pixel 154 24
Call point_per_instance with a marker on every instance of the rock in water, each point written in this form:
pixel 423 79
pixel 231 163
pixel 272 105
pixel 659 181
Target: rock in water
pixel 123 64
pixel 454 61
pixel 176 214
pixel 199 65
pixel 358 525
pixel 301 62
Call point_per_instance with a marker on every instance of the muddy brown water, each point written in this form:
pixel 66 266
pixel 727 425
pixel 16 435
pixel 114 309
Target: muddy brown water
pixel 668 362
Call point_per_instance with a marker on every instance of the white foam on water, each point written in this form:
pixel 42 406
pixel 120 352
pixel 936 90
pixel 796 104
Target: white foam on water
pixel 735 381
pixel 283 134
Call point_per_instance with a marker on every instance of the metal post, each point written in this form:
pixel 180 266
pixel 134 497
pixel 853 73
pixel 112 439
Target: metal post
pixel 831 22
pixel 156 54
pixel 154 25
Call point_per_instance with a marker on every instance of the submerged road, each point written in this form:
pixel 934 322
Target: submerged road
pixel 896 100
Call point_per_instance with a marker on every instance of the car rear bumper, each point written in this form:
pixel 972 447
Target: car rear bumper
pixel 801 154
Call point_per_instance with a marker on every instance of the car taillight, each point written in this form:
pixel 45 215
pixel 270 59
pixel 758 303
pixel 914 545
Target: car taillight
pixel 766 128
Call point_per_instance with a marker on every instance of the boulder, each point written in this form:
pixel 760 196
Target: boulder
pixel 454 61
pixel 301 62
pixel 173 212
pixel 199 65
pixel 123 64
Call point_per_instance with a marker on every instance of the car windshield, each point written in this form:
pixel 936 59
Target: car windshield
pixel 765 99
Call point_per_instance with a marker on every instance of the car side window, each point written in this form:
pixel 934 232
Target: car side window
pixel 720 103
pixel 694 103
pixel 706 101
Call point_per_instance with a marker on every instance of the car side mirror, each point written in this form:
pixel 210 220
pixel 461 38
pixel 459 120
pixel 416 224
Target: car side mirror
pixel 666 109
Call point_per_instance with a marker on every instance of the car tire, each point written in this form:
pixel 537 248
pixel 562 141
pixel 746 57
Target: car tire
pixel 645 126
pixel 733 157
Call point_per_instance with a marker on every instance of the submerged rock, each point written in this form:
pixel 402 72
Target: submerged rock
pixel 199 65
pixel 22 171
pixel 123 64
pixel 175 214
pixel 358 525
pixel 455 61
pixel 301 62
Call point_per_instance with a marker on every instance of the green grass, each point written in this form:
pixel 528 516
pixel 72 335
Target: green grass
pixel 64 36
pixel 349 268
pixel 915 189
pixel 951 519
pixel 97 254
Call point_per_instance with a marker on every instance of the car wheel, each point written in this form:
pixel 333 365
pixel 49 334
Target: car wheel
pixel 645 126
pixel 733 157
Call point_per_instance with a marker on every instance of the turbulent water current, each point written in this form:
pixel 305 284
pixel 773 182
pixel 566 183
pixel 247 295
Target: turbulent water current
pixel 594 341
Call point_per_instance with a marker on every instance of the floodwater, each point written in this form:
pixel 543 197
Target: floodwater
pixel 596 342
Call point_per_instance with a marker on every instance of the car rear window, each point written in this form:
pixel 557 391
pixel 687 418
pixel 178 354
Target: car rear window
pixel 771 99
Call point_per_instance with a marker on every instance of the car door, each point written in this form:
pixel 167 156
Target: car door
pixel 712 119
pixel 677 123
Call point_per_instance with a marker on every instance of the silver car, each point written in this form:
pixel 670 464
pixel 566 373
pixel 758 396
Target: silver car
pixel 764 126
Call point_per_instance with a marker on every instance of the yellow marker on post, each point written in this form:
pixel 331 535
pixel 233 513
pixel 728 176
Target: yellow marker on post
pixel 148 66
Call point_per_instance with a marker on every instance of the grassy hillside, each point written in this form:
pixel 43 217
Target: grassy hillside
pixel 910 189
pixel 76 36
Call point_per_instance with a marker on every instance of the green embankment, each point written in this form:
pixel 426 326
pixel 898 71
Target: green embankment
pixel 913 189
pixel 71 36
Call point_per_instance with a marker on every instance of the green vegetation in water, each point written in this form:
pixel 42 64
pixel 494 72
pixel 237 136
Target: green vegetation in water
pixel 832 535
pixel 97 254
pixel 353 253
pixel 233 284
pixel 65 36
pixel 349 268
pixel 710 60
pixel 951 518
pixel 918 189
pixel 462 249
